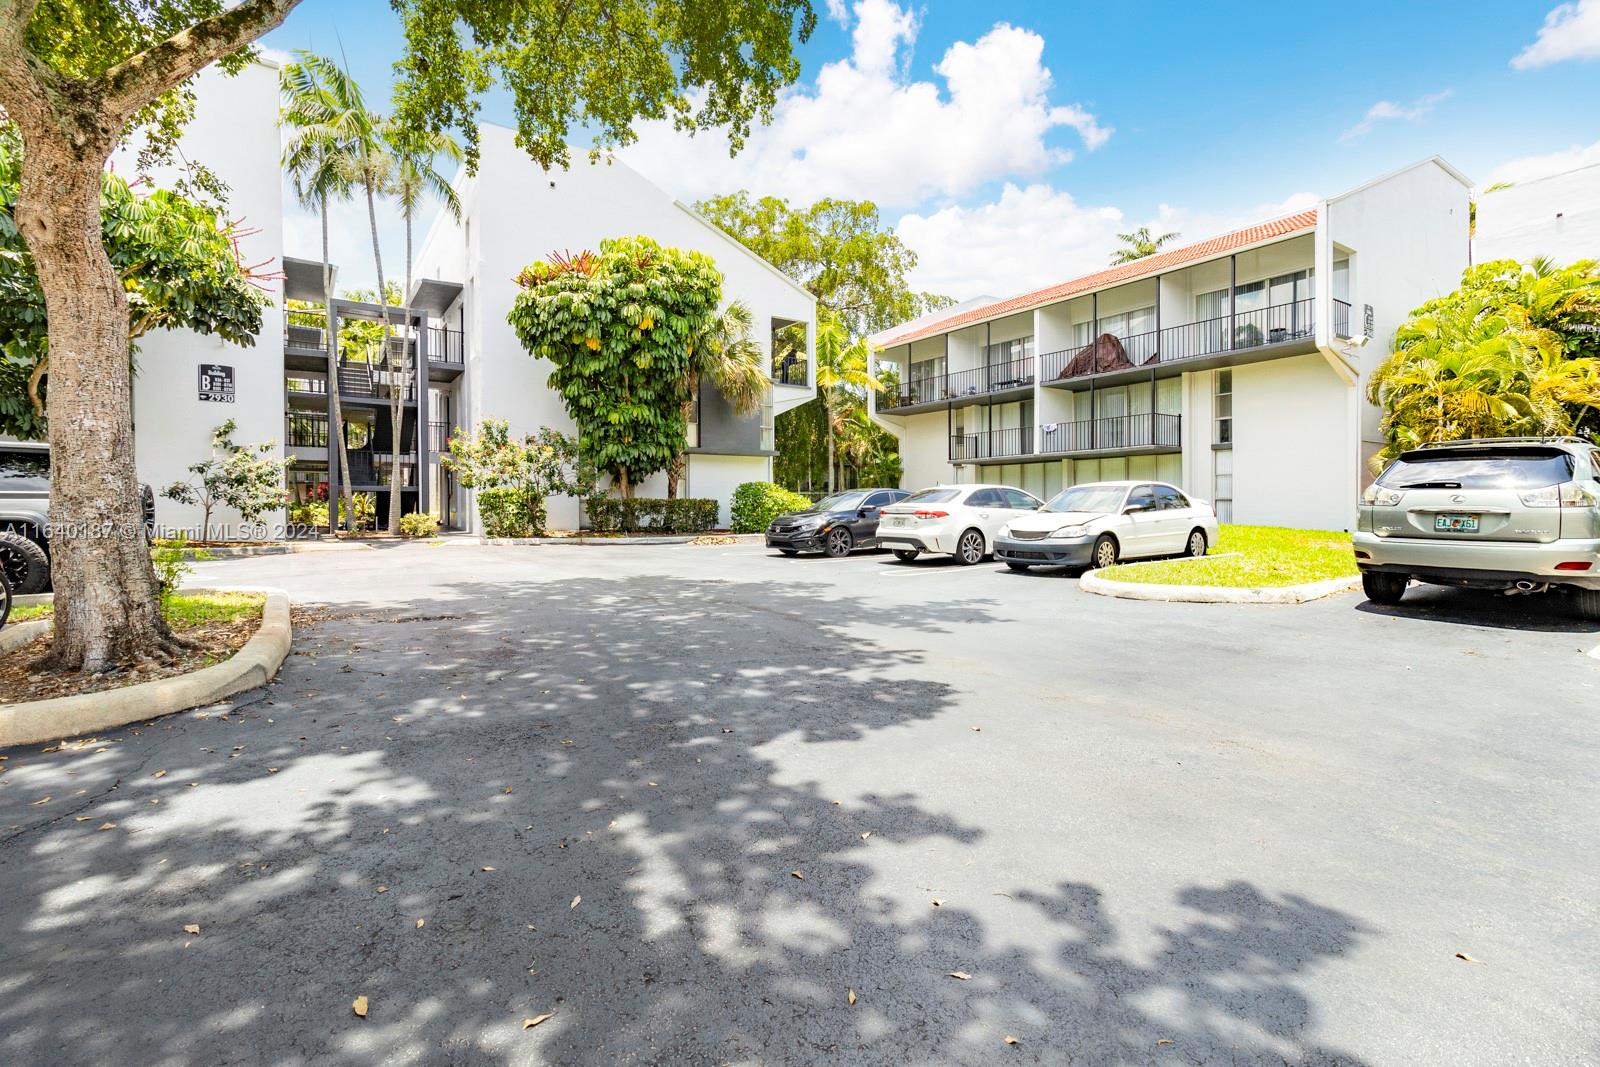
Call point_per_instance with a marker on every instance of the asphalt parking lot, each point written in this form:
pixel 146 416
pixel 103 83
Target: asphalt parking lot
pixel 690 801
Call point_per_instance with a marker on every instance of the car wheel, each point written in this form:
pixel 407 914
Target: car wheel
pixel 26 565
pixel 1197 544
pixel 1588 604
pixel 1105 552
pixel 5 599
pixel 1014 565
pixel 969 548
pixel 839 542
pixel 906 555
pixel 1382 588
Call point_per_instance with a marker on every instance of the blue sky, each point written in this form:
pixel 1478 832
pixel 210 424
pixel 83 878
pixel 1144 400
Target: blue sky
pixel 1009 142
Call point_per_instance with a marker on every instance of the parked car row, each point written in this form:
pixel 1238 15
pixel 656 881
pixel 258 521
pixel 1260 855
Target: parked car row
pixel 1095 524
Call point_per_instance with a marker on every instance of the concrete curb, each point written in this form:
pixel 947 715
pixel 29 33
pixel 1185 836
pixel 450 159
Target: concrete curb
pixel 664 539
pixel 1091 582
pixel 253 665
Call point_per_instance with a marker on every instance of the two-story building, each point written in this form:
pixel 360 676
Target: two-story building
pixel 467 365
pixel 1234 367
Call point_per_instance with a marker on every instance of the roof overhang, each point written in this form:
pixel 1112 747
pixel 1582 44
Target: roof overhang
pixel 434 297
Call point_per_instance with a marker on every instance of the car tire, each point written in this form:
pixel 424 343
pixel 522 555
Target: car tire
pixel 838 542
pixel 1588 601
pixel 5 599
pixel 906 555
pixel 1105 552
pixel 970 547
pixel 1197 544
pixel 26 565
pixel 1019 567
pixel 1384 588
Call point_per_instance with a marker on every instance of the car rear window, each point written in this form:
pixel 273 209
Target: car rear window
pixel 1522 468
pixel 932 496
pixel 26 466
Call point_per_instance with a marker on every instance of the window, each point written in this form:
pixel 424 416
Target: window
pixel 1088 499
pixel 25 470
pixel 933 496
pixel 1222 494
pixel 1016 498
pixel 1143 498
pixel 1522 468
pixel 1169 499
pixel 878 500
pixel 986 498
pixel 691 429
pixel 925 380
pixel 1222 412
pixel 1002 353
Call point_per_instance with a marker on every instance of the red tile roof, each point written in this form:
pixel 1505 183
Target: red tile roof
pixel 1126 272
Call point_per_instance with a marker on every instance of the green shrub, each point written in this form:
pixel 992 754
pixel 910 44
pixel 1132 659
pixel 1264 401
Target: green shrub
pixel 756 504
pixel 636 514
pixel 511 512
pixel 418 524
pixel 171 558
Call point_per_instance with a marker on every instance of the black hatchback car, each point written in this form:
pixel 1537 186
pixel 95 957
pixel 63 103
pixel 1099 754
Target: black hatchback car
pixel 835 524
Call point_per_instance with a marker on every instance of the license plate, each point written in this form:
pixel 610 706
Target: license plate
pixel 1455 523
pixel 894 520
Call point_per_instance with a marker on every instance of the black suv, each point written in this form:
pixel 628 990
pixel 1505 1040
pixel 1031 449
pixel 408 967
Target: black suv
pixel 24 514
pixel 835 524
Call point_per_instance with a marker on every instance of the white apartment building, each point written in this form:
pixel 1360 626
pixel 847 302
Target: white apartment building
pixel 1556 216
pixel 469 363
pixel 1235 368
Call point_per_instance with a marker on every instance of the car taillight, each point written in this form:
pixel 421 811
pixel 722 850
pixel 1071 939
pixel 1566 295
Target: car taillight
pixel 931 514
pixel 1565 495
pixel 1574 565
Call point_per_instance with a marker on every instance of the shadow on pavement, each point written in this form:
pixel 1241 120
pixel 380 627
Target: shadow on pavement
pixel 1551 612
pixel 482 763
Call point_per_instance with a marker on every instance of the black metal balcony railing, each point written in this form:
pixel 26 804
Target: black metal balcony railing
pixel 1241 331
pixel 991 444
pixel 790 371
pixel 306 430
pixel 372 469
pixel 438 437
pixel 306 385
pixel 994 378
pixel 375 381
pixel 1341 319
pixel 446 346
pixel 302 334
pixel 1111 433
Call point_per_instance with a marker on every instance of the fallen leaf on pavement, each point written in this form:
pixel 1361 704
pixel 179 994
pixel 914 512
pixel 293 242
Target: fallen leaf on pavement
pixel 159 774
pixel 866 835
pixel 575 902
pixel 1165 1041
pixel 41 800
pixel 383 889
pixel 421 923
pixel 486 868
pixel 797 874
pixel 1011 1040
pixel 108 826
pixel 507 789
pixel 850 996
pixel 938 902
pixel 963 975
pixel 81 818
pixel 359 1006
pixel 1464 956
pixel 192 928
pixel 529 1024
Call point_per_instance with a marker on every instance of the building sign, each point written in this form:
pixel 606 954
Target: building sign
pixel 216 383
pixel 1366 322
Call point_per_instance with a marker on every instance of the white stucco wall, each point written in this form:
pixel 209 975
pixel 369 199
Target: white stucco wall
pixel 1293 444
pixel 235 134
pixel 712 477
pixel 1557 217
pixel 513 214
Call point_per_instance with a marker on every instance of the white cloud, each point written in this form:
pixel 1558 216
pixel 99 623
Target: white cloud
pixel 1385 110
pixel 1570 31
pixel 1528 168
pixel 838 12
pixel 1037 236
pixel 864 129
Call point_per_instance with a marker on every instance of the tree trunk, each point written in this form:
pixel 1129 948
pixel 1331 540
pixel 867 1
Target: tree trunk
pixel 410 349
pixel 675 468
pixel 827 422
pixel 107 607
pixel 396 379
pixel 337 429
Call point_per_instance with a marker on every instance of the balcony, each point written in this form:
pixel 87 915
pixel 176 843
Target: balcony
pixel 302 334
pixel 306 430
pixel 1214 340
pixel 790 370
pixel 438 437
pixel 991 444
pixel 1011 376
pixel 1113 433
pixel 446 346
pixel 370 470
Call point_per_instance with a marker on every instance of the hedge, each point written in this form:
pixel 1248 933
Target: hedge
pixel 511 512
pixel 756 504
pixel 631 515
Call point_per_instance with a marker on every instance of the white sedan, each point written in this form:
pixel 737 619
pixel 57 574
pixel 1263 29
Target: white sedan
pixel 956 520
pixel 1098 523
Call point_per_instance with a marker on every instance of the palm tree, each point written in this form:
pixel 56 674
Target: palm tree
pixel 415 179
pixel 728 354
pixel 1140 244
pixel 318 159
pixel 843 376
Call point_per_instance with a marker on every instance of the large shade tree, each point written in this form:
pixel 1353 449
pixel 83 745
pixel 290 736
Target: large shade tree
pixel 178 264
pixel 77 76
pixel 621 329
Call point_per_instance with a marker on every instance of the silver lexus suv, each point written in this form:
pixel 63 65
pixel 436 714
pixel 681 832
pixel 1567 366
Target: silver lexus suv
pixel 1517 514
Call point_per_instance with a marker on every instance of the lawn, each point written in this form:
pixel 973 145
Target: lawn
pixel 1267 556
pixel 184 611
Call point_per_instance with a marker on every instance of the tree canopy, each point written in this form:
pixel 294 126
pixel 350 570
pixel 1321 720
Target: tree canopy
pixel 620 328
pixel 839 250
pixel 1514 351
pixel 177 262
pixel 1139 244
